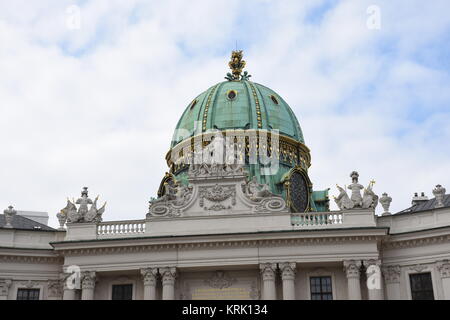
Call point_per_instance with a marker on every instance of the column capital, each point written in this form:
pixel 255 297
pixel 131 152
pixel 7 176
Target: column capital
pixel 268 270
pixel 55 288
pixel 288 270
pixel 73 283
pixel 443 268
pixel 371 265
pixel 372 262
pixel 352 268
pixel 149 276
pixel 391 273
pixel 168 275
pixel 4 286
pixel 88 279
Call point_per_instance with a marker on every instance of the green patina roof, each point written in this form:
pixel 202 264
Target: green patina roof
pixel 222 113
pixel 242 112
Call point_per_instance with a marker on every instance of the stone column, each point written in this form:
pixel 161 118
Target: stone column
pixel 374 283
pixel 351 268
pixel 391 276
pixel 71 281
pixel 268 276
pixel 68 294
pixel 288 270
pixel 444 270
pixel 168 275
pixel 87 285
pixel 149 277
pixel 4 288
pixel 54 290
pixel 69 286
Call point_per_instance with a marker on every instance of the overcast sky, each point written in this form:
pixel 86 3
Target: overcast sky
pixel 94 101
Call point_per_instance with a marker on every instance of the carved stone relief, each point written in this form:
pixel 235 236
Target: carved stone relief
pixel 216 197
pixel 55 288
pixel 220 280
pixel 444 268
pixel 5 284
pixel 211 192
pixel 391 273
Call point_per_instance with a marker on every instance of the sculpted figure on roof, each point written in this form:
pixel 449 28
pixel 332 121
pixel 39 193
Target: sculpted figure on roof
pixel 83 213
pixel 368 200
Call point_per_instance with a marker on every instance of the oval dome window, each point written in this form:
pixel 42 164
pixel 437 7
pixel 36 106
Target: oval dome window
pixel 231 95
pixel 193 103
pixel 274 99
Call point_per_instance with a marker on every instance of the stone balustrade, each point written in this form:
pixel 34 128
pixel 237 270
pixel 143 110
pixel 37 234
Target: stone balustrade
pixel 334 219
pixel 307 219
pixel 222 224
pixel 119 228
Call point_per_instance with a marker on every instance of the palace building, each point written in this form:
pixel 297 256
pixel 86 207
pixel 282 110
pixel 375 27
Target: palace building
pixel 235 217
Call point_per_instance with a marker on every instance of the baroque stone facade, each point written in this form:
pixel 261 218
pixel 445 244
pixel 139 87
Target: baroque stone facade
pixel 251 227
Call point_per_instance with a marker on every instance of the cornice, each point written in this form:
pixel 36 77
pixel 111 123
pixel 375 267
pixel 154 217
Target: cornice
pixel 410 243
pixel 210 237
pixel 31 259
pixel 218 244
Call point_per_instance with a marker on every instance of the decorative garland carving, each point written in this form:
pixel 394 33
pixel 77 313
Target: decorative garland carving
pixel 217 194
pixel 220 280
pixel 418 268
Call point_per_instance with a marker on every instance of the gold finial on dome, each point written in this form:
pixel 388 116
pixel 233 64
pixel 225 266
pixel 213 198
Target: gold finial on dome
pixel 236 65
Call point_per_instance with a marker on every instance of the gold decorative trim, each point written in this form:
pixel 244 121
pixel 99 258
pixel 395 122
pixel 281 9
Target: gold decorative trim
pixel 289 150
pixel 236 64
pixel 193 103
pixel 208 102
pixel 166 179
pixel 258 108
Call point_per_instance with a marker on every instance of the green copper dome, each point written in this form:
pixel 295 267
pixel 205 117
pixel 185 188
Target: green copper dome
pixel 240 104
pixel 252 110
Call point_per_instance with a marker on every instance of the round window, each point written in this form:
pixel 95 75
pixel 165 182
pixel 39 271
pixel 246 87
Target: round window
pixel 231 95
pixel 298 192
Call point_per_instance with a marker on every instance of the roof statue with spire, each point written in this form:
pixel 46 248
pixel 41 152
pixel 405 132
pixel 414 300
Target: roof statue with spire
pixel 71 214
